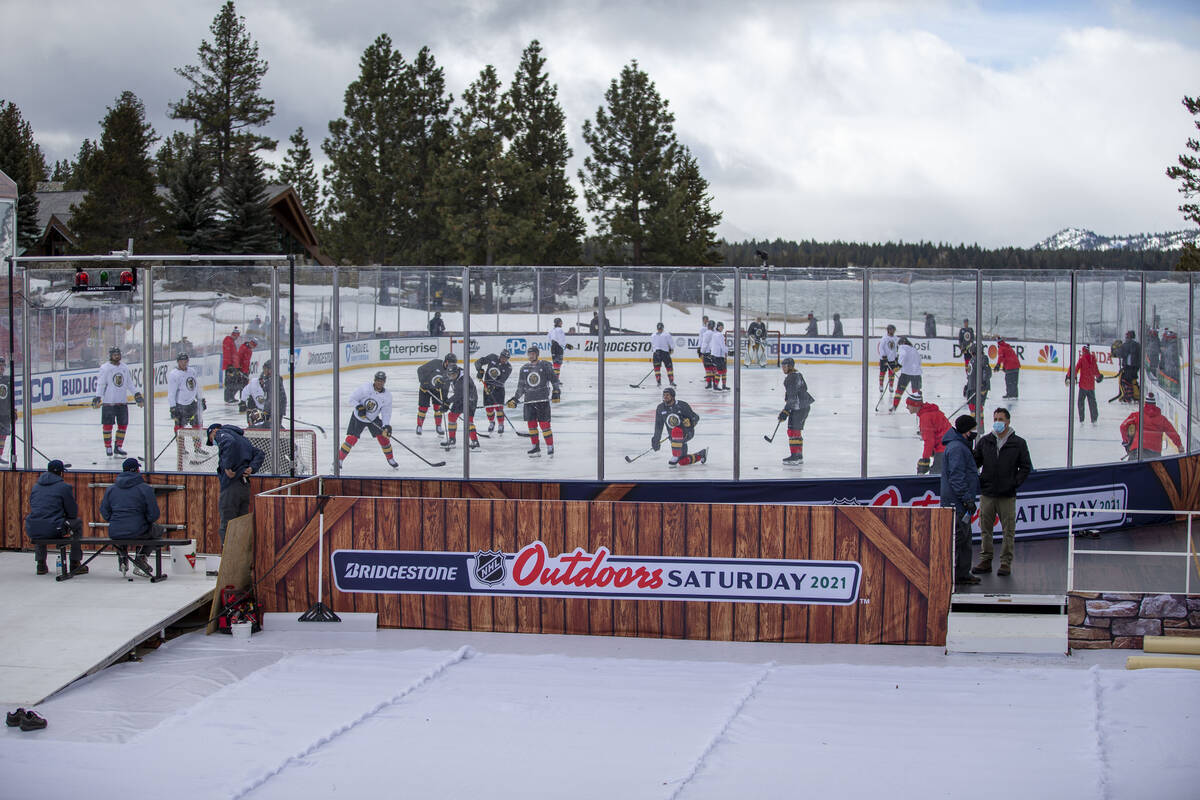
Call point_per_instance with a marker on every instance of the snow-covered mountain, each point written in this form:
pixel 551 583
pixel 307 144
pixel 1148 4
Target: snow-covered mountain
pixel 1080 239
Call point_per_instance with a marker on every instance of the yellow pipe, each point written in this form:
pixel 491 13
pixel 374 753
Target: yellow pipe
pixel 1162 662
pixel 1188 645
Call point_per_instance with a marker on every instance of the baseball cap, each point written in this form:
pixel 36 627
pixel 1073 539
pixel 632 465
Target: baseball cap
pixel 130 465
pixel 56 467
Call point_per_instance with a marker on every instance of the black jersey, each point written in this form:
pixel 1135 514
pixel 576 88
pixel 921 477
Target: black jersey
pixel 757 330
pixel 456 390
pixel 535 382
pixel 429 374
pixel 492 371
pixel 673 415
pixel 795 392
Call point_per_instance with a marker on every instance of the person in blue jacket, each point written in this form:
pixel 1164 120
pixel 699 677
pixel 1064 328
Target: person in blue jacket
pixel 53 514
pixel 237 460
pixel 130 509
pixel 959 490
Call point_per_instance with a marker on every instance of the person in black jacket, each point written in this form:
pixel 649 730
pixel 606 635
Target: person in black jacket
pixel 53 514
pixel 679 421
pixel 796 404
pixel 130 509
pixel 237 460
pixel 437 326
pixel 1005 464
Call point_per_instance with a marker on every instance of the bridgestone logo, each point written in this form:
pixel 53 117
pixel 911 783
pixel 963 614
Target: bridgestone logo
pixel 617 347
pixel 320 358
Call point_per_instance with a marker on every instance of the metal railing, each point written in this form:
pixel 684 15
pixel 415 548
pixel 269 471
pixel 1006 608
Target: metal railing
pixel 1189 553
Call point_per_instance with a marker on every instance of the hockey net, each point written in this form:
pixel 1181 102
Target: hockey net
pixel 755 356
pixel 194 456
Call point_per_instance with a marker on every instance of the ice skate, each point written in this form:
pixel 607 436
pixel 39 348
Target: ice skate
pixel 119 452
pixel 491 426
pixel 392 463
pixel 108 452
pixel 703 456
pixel 474 445
pixel 534 452
pixel 418 430
pixel 550 450
pixel 795 459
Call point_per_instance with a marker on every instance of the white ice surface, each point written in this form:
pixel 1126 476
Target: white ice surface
pixel 444 714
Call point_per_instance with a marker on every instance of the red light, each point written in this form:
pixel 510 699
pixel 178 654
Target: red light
pixel 127 278
pixel 81 279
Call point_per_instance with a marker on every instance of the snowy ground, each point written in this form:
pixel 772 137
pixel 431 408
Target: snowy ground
pixel 832 439
pixel 447 714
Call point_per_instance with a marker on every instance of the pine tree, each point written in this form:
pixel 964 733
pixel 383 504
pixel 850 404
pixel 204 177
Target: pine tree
pixel 540 199
pixel 225 99
pixel 192 203
pixel 426 129
pixel 1188 175
pixel 299 173
pixel 81 167
pixel 683 230
pixel 21 159
pixel 245 221
pixel 121 203
pixel 61 172
pixel 473 176
pixel 627 175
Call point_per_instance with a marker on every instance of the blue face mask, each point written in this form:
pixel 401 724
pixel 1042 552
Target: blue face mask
pixel 998 427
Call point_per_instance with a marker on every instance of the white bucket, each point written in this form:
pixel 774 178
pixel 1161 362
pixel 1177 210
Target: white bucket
pixel 183 558
pixel 241 630
pixel 212 565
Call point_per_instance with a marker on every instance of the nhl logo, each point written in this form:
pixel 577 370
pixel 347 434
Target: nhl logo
pixel 490 567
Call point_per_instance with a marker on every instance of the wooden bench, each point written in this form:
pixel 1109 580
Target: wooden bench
pixel 158 487
pixel 104 542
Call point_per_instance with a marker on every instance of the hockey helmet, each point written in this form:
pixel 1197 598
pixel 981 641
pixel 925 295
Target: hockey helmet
pixel 114 351
pixel 557 321
pixel 788 362
pixel 669 391
pixel 533 348
pixel 1130 334
pixel 904 340
pixel 504 354
pixel 712 324
pixel 720 326
pixel 182 357
pixel 891 329
pixel 449 359
pixel 381 377
pixel 659 326
pixel 267 366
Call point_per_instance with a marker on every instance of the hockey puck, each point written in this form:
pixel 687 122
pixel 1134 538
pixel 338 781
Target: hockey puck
pixel 756 467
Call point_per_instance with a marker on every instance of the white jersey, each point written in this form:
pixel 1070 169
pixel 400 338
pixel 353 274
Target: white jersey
pixel 378 404
pixel 717 345
pixel 254 396
pixel 662 341
pixel 116 383
pixel 910 360
pixel 705 339
pixel 558 336
pixel 887 347
pixel 183 387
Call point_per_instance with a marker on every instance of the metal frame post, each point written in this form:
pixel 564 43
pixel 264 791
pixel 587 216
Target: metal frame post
pixel 866 343
pixel 273 343
pixel 737 373
pixel 335 313
pixel 1071 379
pixel 148 366
pixel 465 377
pixel 26 373
pixel 600 377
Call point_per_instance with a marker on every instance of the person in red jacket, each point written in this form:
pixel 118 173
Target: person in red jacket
pixel 933 426
pixel 241 370
pixel 1008 361
pixel 1088 374
pixel 1151 425
pixel 228 360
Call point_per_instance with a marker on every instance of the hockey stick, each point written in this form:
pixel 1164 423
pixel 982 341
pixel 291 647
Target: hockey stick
pixel 418 455
pixel 771 438
pixel 508 419
pixel 39 452
pixel 308 424
pixel 631 459
pixel 955 411
pixel 165 446
pixel 888 390
pixel 88 404
pixel 638 385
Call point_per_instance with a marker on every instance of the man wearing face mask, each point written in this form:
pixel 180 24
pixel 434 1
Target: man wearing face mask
pixel 959 488
pixel 1005 464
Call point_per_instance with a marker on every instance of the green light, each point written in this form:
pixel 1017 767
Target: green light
pixel 104 278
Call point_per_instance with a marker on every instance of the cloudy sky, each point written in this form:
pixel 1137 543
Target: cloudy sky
pixel 990 122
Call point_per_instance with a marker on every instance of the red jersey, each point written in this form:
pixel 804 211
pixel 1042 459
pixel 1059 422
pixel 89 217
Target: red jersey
pixel 933 425
pixel 228 352
pixel 1006 357
pixel 1152 431
pixel 1086 370
pixel 244 354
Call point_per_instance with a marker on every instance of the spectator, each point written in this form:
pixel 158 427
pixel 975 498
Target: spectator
pixel 812 325
pixel 1130 353
pixel 1003 458
pixel 53 514
pixel 1153 347
pixel 930 326
pixel 130 508
pixel 1088 375
pixel 437 326
pixel 1142 432
pixel 594 323
pixel 229 347
pixel 1008 361
pixel 237 460
pixel 837 325
pixel 959 488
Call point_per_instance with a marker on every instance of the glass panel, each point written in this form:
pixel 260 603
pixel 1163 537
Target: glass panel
pixel 11 420
pixel 1165 323
pixel 1107 306
pixel 1193 341
pixel 310 387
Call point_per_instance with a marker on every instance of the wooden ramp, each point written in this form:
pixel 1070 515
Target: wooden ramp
pixel 52 633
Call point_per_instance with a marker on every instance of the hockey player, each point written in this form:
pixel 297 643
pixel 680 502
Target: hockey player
pixel 229 348
pixel 558 344
pixel 493 370
pixel 679 420
pixel 431 376
pixel 184 397
pixel 932 424
pixel 710 375
pixel 537 385
pixel 887 358
pixel 756 332
pixel 966 340
pixel 663 345
pixel 796 404
pixel 6 412
pixel 976 359
pixel 1142 433
pixel 112 392
pixel 1130 354
pixel 719 350
pixel 1087 372
pixel 257 397
pixel 910 370
pixel 457 410
pixel 700 342
pixel 1008 361
pixel 373 412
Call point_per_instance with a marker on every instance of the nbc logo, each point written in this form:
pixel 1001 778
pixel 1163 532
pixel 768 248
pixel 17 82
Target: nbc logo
pixel 1048 355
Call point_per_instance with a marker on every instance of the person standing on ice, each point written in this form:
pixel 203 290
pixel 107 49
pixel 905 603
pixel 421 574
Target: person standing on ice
pixel 977 360
pixel 796 404
pixel 538 387
pixel 6 410
pixel 112 398
pixel 1087 372
pixel 932 425
pixel 229 348
pixel 910 371
pixel 837 325
pixel 558 345
pixel 887 358
pixel 811 330
pixel 719 351
pixel 431 380
pixel 184 398
pixel 930 326
pixel 373 412
pixel 700 347
pixel 459 409
pixel 679 421
pixel 662 344
pixel 1008 361
pixel 493 370
pixel 966 340
pixel 437 326
pixel 710 375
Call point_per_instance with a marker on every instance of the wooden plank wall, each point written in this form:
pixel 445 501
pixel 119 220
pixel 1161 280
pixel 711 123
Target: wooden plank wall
pixel 905 554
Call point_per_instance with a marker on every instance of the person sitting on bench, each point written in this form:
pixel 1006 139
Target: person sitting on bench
pixel 53 514
pixel 130 509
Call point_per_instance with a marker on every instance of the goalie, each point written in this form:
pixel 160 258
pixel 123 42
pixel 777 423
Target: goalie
pixel 372 412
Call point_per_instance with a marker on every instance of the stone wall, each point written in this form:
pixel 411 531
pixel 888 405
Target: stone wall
pixel 1119 620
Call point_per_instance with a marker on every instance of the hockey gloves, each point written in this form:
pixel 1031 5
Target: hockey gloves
pixel 242 406
pixel 95 402
pixel 361 410
pixel 512 403
pixel 687 423
pixel 387 431
pixel 570 347
pixel 177 414
pixel 1099 378
pixel 783 415
pixel 203 404
pixel 255 417
pixel 556 396
pixel 139 399
pixel 923 465
pixel 655 443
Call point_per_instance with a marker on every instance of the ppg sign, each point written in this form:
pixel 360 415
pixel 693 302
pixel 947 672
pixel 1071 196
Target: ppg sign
pixel 518 347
